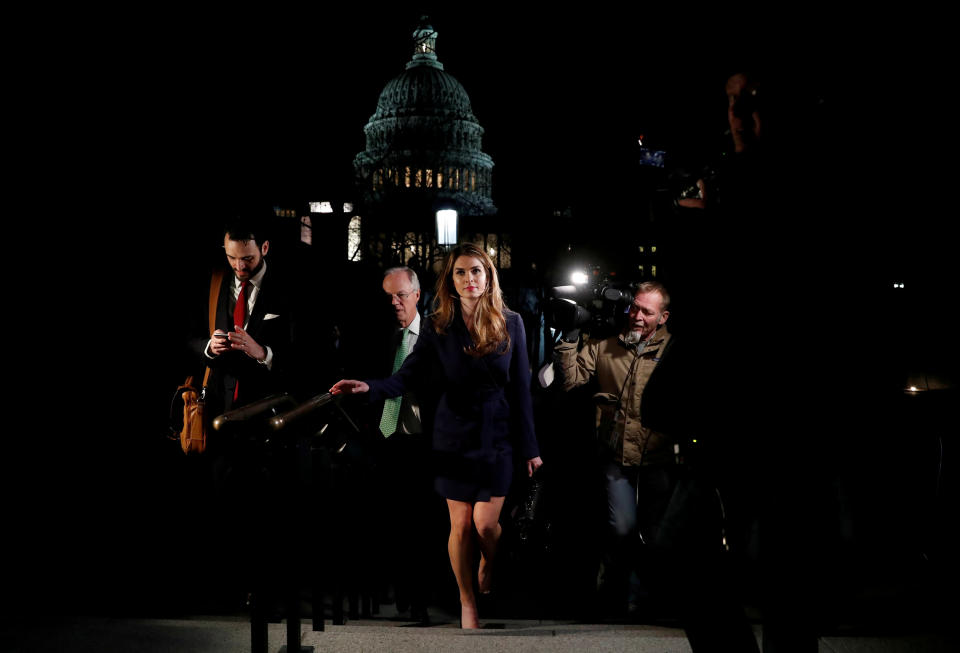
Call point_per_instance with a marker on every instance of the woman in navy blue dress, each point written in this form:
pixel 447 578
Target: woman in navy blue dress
pixel 484 412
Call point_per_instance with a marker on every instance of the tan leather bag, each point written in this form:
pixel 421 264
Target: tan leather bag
pixel 193 432
pixel 196 422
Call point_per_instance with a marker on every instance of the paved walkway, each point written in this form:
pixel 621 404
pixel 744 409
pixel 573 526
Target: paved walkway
pixel 232 634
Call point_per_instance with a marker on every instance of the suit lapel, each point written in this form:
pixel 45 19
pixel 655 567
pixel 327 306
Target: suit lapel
pixel 260 307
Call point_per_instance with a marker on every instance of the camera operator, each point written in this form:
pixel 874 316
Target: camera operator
pixel 623 366
pixel 664 537
pixel 746 127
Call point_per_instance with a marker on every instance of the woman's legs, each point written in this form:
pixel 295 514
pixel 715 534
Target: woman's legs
pixel 460 548
pixel 486 517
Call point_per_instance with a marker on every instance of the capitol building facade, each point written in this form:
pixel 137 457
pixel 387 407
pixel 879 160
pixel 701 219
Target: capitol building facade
pixel 423 181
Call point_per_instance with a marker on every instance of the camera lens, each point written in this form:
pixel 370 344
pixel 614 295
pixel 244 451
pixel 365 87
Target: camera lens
pixel 615 294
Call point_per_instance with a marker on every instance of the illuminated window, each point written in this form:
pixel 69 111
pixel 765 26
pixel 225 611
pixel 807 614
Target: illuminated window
pixel 473 180
pixel 348 207
pixel 653 249
pixel 429 178
pixel 504 251
pixel 439 178
pixel 419 178
pixel 640 269
pixel 306 230
pixel 425 42
pixel 653 270
pixel 407 177
pixel 496 245
pixel 353 239
pixel 409 246
pixel 640 249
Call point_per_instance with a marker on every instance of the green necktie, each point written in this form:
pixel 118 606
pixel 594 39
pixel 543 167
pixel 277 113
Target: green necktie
pixel 391 407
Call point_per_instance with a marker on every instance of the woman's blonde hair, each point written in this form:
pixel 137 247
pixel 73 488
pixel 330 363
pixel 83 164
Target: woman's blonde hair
pixel 489 329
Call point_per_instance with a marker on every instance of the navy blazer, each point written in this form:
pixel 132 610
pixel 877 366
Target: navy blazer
pixel 484 405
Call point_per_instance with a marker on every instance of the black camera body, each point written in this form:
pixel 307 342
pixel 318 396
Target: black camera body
pixel 676 177
pixel 600 310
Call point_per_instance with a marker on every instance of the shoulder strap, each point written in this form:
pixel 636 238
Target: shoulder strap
pixel 215 282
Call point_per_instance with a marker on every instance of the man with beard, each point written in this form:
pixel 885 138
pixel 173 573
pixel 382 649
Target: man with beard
pixel 252 325
pixel 624 366
pixel 245 355
pixel 665 541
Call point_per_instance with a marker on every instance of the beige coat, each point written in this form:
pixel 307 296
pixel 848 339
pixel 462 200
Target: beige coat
pixel 610 361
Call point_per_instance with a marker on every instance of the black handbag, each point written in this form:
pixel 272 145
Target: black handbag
pixel 530 517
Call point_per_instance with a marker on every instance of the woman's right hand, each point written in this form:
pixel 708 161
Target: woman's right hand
pixel 349 387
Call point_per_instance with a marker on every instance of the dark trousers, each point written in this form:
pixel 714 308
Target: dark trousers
pixel 667 525
pixel 404 535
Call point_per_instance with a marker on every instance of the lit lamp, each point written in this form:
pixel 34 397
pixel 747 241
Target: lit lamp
pixel 446 227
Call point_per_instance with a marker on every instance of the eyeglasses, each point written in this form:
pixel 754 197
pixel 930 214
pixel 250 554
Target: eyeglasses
pixel 402 296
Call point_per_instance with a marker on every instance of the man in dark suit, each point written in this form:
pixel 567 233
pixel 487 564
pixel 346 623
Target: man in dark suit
pixel 402 287
pixel 404 454
pixel 245 354
pixel 245 351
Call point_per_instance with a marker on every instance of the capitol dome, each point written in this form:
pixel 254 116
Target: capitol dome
pixel 424 90
pixel 423 143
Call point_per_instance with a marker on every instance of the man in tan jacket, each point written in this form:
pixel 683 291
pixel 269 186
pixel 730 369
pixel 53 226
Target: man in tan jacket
pixel 634 457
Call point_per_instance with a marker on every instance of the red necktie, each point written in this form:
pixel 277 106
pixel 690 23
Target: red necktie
pixel 240 319
pixel 240 310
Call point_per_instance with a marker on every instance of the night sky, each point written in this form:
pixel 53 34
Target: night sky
pixel 560 96
pixel 177 114
pixel 231 100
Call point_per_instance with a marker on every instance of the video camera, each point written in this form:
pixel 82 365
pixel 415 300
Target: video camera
pixel 676 180
pixel 599 309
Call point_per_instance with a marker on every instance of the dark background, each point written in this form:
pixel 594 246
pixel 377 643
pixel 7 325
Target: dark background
pixel 140 127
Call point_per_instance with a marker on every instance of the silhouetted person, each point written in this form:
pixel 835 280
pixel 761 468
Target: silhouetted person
pixel 763 218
